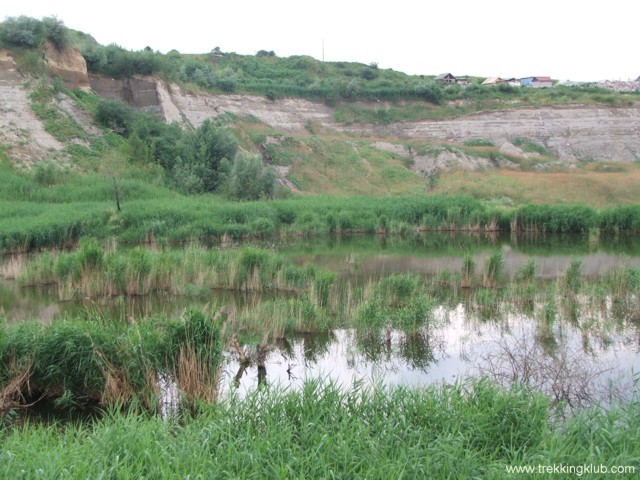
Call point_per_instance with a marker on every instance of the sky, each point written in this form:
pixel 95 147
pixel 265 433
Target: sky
pixel 566 40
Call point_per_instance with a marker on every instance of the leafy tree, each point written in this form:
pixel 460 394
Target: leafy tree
pixel 56 32
pixel 250 179
pixel 138 149
pixel 204 149
pixel 116 115
pixel 22 31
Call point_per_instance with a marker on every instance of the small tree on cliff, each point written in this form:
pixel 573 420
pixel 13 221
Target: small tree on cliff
pixel 114 165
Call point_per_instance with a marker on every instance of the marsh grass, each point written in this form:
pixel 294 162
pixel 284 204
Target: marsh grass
pixel 84 363
pixel 467 271
pixel 92 272
pixel 494 264
pixel 398 301
pixel 572 279
pixel 324 430
pixel 34 216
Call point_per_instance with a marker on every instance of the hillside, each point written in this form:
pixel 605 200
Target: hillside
pixel 346 128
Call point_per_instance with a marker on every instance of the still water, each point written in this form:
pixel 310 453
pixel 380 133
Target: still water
pixel 587 356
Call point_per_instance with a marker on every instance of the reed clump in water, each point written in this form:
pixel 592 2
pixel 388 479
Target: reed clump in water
pixel 467 271
pixel 92 272
pixel 78 363
pixel 494 265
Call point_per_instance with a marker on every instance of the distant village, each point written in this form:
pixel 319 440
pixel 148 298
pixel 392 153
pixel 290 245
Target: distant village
pixel 541 82
pixel 533 82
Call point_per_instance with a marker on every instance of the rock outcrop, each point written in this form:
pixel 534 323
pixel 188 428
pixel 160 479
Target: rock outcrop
pixel 68 64
pixel 21 131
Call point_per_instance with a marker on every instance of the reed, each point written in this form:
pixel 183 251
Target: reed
pixel 321 430
pixel 93 272
pixel 494 265
pixel 467 271
pixel 90 362
pixel 572 279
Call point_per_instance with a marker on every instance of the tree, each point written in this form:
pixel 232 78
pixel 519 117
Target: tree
pixel 138 150
pixel 250 179
pixel 203 150
pixel 56 32
pixel 22 31
pixel 115 166
pixel 116 115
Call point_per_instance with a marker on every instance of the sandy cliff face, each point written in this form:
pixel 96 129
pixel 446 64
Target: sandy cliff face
pixel 20 130
pixel 69 65
pixel 572 133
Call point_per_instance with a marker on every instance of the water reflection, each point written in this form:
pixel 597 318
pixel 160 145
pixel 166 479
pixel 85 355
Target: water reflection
pixel 568 362
pixel 533 338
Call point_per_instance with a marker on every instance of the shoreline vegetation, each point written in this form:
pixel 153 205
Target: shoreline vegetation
pixel 471 430
pixel 27 226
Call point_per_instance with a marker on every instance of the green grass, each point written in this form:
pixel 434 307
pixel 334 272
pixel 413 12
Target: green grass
pixel 474 430
pixel 93 362
pixel 92 272
pixel 26 225
pixel 58 123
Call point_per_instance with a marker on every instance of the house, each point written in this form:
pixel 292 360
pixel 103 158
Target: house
pixel 462 80
pixel 536 82
pixel 492 81
pixel 446 77
pixel 513 82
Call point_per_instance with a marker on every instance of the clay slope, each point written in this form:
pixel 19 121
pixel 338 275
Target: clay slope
pixel 572 133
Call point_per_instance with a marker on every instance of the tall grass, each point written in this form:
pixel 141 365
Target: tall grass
pixel 36 215
pixel 494 265
pixel 554 218
pixel 91 271
pixel 322 431
pixel 468 269
pixel 80 363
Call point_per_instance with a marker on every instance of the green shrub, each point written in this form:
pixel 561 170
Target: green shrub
pixel 115 115
pixel 22 31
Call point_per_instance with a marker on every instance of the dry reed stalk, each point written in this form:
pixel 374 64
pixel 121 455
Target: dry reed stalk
pixel 196 378
pixel 117 389
pixel 244 358
pixel 14 393
pixel 13 267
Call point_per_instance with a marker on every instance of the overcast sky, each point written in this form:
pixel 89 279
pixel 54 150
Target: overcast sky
pixel 579 41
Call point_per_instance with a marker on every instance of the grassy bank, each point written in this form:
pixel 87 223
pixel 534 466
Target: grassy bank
pixel 27 225
pixel 475 430
pixel 595 187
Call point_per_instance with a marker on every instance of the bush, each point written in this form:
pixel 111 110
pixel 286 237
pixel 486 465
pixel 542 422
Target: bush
pixel 29 32
pixel 250 179
pixel 22 31
pixel 116 115
pixel 56 32
pixel 429 91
